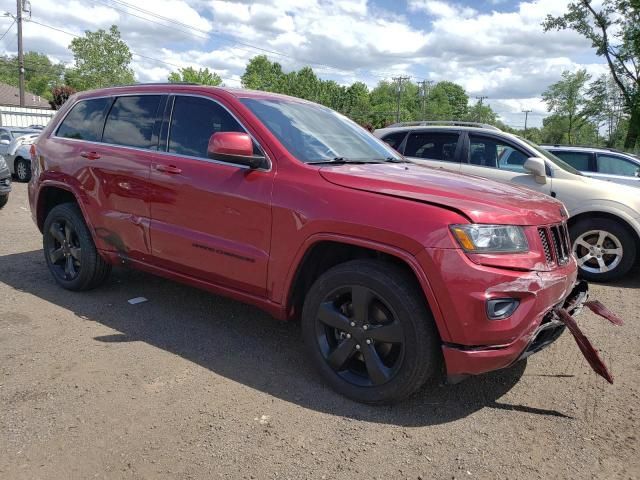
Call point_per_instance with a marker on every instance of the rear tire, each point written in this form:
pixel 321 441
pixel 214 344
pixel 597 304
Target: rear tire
pixel 69 250
pixel 369 332
pixel 3 200
pixel 604 248
pixel 23 170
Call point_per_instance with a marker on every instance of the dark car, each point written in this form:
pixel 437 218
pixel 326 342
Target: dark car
pixel 5 182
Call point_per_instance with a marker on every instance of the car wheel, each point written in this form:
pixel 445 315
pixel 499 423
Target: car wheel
pixel 604 248
pixel 23 170
pixel 368 330
pixel 3 200
pixel 69 250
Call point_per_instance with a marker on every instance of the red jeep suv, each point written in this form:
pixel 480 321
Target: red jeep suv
pixel 398 273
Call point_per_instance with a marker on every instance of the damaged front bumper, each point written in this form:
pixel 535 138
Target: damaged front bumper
pixel 464 361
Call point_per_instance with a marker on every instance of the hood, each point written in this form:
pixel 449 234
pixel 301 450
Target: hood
pixel 479 199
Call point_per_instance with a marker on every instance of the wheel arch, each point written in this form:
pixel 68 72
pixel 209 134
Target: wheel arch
pixel 324 251
pixel 51 195
pixel 608 215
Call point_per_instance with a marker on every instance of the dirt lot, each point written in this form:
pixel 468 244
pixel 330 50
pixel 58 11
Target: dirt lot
pixel 189 385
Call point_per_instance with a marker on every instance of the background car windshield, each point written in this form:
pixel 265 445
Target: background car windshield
pixel 550 156
pixel 313 133
pixel 19 133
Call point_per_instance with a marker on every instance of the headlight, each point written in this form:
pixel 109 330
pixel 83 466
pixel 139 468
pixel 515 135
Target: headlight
pixel 3 163
pixel 478 238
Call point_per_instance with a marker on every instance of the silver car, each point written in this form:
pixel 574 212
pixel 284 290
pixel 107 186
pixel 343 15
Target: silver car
pixel 14 147
pixel 604 221
pixel 603 163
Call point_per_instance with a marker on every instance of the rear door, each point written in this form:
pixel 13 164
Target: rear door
pixel 213 219
pixel 498 159
pixel 113 159
pixel 438 149
pixel 584 162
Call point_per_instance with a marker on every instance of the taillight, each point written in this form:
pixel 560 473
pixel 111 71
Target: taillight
pixel 32 152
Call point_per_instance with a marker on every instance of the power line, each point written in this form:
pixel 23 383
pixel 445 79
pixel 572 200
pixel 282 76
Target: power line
pixel 7 30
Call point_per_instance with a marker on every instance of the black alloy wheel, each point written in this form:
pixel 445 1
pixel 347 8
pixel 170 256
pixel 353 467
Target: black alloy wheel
pixel 64 250
pixel 359 336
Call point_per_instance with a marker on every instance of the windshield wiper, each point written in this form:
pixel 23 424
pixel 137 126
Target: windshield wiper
pixel 342 161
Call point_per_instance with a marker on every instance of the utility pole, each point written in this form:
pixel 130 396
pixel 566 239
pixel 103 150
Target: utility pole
pixel 526 117
pixel 425 88
pixel 20 6
pixel 399 81
pixel 481 98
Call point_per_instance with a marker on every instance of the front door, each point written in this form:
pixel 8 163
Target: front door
pixel 497 159
pixel 214 221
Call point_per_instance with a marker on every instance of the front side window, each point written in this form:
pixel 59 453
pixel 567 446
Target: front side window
pixel 193 121
pixel 432 145
pixel 494 153
pixel 614 165
pixel 5 135
pixel 85 120
pixel 316 134
pixel 131 120
pixel 578 160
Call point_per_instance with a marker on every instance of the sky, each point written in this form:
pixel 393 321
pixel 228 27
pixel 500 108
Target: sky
pixel 493 48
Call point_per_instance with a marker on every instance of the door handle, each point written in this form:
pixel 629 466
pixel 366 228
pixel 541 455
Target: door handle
pixel 168 169
pixel 90 155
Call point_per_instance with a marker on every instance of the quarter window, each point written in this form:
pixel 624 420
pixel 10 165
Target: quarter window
pixel 131 120
pixel 85 120
pixel 434 146
pixel 614 165
pixel 193 121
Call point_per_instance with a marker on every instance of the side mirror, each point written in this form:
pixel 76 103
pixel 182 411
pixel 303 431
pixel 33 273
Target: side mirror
pixel 4 142
pixel 234 147
pixel 537 167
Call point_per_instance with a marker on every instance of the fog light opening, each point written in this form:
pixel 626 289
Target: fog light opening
pixel 501 308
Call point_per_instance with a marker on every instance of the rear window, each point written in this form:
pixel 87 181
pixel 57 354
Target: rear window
pixel 131 120
pixel 578 160
pixel 85 120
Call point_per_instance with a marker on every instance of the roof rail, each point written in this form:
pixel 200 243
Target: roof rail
pixel 610 149
pixel 424 123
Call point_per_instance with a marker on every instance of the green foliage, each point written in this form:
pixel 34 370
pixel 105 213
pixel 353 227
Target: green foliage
pixel 102 59
pixel 41 75
pixel 201 76
pixel 567 100
pixel 614 31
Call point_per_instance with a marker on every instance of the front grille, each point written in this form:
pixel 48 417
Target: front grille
pixel 555 244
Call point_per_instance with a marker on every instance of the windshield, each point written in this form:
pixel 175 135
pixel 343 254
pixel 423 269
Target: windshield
pixel 317 134
pixel 550 156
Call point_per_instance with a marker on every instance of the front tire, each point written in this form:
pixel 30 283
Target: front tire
pixel 23 170
pixel 604 248
pixel 69 250
pixel 369 332
pixel 3 200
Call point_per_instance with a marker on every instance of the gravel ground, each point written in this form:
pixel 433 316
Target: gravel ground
pixel 190 385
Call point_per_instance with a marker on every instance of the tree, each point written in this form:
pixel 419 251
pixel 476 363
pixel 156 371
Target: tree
pixel 200 76
pixel 102 59
pixel 614 31
pixel 59 95
pixel 482 113
pixel 261 74
pixel 41 75
pixel 447 101
pixel 606 103
pixel 567 98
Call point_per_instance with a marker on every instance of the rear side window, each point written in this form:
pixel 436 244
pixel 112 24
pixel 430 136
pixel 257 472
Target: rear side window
pixel 432 145
pixel 131 121
pixel 85 120
pixel 193 121
pixel 394 139
pixel 614 165
pixel 578 160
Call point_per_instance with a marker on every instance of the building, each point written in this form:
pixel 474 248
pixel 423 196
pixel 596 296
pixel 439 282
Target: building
pixel 36 111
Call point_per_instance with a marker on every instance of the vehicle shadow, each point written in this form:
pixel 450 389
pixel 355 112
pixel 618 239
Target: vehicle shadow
pixel 244 344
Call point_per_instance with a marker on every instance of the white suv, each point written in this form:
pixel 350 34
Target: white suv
pixel 604 217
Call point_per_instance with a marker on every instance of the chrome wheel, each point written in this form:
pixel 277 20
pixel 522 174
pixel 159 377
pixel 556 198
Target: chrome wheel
pixel 21 171
pixel 598 251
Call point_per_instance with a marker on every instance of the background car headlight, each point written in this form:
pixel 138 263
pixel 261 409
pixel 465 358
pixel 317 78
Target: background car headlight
pixel 479 238
pixel 3 163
